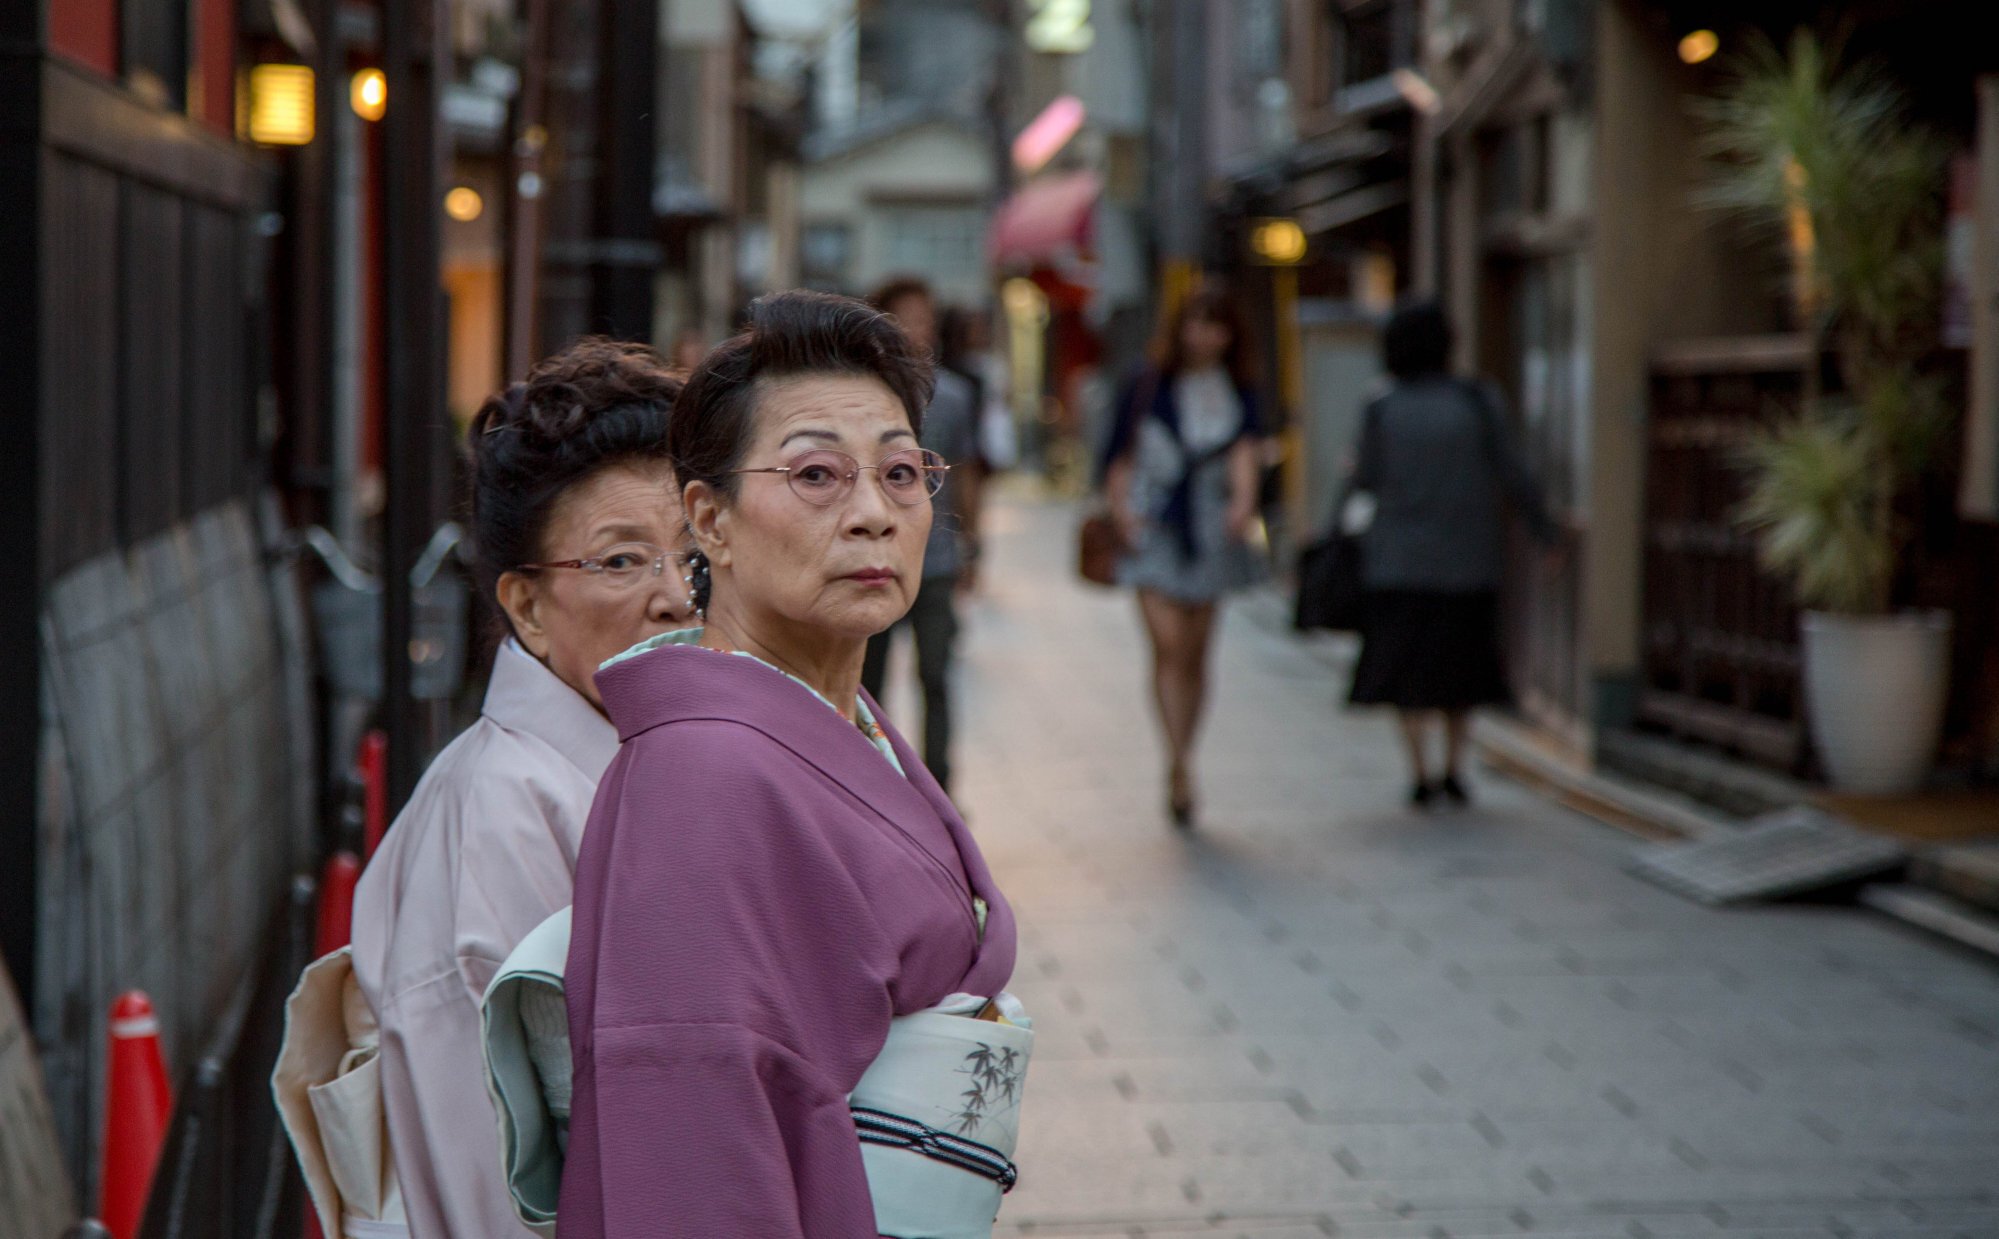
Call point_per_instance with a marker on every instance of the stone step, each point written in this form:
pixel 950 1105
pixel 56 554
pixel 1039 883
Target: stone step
pixel 1965 871
pixel 1936 912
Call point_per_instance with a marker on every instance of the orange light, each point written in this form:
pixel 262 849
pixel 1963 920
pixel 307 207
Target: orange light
pixel 368 94
pixel 1280 242
pixel 464 204
pixel 1699 46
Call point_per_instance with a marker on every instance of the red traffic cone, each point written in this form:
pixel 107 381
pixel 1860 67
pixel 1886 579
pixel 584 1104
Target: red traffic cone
pixel 336 903
pixel 373 764
pixel 138 1106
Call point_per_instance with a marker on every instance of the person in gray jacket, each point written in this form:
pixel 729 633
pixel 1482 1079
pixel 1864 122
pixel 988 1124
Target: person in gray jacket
pixel 1436 455
pixel 951 560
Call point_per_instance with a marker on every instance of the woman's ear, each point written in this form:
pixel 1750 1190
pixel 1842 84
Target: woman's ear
pixel 519 598
pixel 707 522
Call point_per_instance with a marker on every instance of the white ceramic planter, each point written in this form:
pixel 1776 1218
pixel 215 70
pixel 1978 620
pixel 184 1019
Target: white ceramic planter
pixel 1875 687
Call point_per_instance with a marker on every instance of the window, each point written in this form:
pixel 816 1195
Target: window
pixel 1377 37
pixel 153 38
pixel 945 243
pixel 824 250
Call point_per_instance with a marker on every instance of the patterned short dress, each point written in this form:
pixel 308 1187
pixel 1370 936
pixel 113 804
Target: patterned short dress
pixel 1182 444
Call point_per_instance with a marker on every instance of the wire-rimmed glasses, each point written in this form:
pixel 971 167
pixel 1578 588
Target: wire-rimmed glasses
pixel 623 565
pixel 824 477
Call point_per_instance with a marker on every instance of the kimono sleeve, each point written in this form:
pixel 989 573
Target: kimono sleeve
pixel 515 869
pixel 728 986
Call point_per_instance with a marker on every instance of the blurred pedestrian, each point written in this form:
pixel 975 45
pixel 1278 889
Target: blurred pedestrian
pixel 965 347
pixel 1181 474
pixel 578 533
pixel 1438 460
pixel 951 560
pixel 689 347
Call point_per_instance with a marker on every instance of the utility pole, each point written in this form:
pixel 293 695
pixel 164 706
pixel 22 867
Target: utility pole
pixel 624 254
pixel 1182 172
pixel 412 351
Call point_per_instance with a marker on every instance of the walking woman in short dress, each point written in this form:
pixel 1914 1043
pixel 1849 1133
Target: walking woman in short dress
pixel 1182 471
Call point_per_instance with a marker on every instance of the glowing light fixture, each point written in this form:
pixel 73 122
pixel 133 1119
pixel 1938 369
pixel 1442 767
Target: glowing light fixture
pixel 464 204
pixel 1060 27
pixel 1279 242
pixel 1698 46
pixel 368 93
pixel 281 111
pixel 1048 133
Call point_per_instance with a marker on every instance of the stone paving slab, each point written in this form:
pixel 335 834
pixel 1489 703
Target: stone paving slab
pixel 1323 1015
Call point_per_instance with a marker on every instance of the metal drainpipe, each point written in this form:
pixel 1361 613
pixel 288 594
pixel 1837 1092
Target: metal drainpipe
pixel 412 347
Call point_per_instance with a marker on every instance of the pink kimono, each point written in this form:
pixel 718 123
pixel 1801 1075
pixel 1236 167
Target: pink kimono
pixel 485 851
pixel 760 892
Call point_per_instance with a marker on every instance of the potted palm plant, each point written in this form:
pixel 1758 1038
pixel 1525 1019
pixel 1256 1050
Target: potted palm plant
pixel 1826 156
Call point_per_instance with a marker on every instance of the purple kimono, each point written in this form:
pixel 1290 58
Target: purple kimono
pixel 758 894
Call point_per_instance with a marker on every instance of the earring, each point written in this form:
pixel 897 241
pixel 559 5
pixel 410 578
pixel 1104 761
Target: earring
pixel 698 582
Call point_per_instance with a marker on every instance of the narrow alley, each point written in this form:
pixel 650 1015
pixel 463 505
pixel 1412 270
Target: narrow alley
pixel 1321 1015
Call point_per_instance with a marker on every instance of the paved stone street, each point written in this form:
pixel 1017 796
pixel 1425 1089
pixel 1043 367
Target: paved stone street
pixel 1321 1015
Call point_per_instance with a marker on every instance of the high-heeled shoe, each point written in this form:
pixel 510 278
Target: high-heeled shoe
pixel 1180 799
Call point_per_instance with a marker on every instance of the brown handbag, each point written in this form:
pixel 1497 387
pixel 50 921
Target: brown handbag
pixel 1100 542
pixel 1099 546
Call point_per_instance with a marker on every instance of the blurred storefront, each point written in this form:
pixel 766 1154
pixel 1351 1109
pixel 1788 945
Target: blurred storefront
pixel 272 253
pixel 1557 210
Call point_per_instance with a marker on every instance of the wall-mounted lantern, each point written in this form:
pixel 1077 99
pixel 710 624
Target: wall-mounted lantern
pixel 1278 242
pixel 281 105
pixel 368 94
pixel 1699 46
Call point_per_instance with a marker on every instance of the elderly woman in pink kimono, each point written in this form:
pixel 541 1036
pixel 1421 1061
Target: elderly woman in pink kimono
pixel 577 525
pixel 770 875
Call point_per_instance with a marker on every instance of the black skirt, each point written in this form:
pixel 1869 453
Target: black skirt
pixel 1425 650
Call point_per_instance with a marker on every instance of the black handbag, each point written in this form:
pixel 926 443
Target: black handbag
pixel 1330 592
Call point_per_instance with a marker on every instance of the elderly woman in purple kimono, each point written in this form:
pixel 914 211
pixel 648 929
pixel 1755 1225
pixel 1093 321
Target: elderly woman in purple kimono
pixel 769 875
pixel 574 509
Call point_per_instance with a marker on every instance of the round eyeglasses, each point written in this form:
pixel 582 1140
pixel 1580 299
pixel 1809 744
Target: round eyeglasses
pixel 824 477
pixel 625 564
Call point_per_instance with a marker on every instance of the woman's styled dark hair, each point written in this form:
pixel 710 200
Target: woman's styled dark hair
pixel 597 403
pixel 789 334
pixel 1417 341
pixel 1212 306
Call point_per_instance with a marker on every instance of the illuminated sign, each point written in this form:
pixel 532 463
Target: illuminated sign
pixel 1060 26
pixel 1048 133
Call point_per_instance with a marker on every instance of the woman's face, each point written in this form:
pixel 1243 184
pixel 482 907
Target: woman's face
pixel 1203 342
pixel 574 620
pixel 844 571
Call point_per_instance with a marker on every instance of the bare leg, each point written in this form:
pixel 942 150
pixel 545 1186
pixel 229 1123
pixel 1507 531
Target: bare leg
pixel 1199 627
pixel 1457 728
pixel 1163 628
pixel 1175 691
pixel 1414 724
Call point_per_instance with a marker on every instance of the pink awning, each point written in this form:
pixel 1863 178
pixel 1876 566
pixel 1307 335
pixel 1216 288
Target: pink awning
pixel 1045 219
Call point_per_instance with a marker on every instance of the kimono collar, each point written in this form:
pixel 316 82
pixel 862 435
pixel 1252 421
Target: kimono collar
pixel 523 695
pixel 680 683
